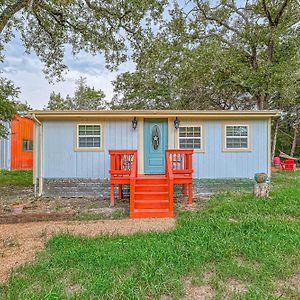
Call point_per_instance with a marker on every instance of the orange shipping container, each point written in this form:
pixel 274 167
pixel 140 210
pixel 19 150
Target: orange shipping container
pixel 21 143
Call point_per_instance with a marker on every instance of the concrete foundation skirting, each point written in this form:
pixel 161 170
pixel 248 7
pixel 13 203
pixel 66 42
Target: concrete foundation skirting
pixel 101 188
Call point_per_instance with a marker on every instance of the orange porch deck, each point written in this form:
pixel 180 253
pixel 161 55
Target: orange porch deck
pixel 151 196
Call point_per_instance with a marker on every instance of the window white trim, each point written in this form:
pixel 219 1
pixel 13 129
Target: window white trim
pixel 202 138
pixel 248 137
pixel 76 137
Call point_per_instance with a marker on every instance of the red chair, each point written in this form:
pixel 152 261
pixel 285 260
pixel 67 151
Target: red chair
pixel 288 165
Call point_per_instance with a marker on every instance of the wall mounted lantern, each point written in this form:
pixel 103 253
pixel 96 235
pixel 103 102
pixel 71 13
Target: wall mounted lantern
pixel 176 123
pixel 134 123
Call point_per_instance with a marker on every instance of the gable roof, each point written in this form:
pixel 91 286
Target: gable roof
pixel 103 114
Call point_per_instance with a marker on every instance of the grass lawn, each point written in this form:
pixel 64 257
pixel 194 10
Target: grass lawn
pixel 17 178
pixel 236 238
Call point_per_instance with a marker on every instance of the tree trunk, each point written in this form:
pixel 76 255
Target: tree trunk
pixel 275 137
pixel 262 101
pixel 261 189
pixel 294 141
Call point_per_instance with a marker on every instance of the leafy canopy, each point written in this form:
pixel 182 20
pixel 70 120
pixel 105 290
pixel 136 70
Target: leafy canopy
pixel 222 54
pixel 89 25
pixel 7 109
pixel 85 98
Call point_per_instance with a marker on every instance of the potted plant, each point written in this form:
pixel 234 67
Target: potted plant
pixel 17 206
pixel 260 177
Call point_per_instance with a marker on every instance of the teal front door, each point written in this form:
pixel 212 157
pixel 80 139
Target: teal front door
pixel 155 145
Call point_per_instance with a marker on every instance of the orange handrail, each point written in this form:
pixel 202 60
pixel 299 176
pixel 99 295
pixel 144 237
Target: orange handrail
pixel 133 174
pixel 170 176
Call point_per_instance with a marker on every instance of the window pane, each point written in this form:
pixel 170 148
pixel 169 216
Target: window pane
pixel 229 131
pixel 88 142
pixel 236 130
pixel 89 130
pixel 182 131
pixel 197 131
pixel 27 145
pixel 190 131
pixel 237 143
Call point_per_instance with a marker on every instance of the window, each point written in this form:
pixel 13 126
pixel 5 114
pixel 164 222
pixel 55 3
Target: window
pixel 237 137
pixel 190 137
pixel 27 145
pixel 89 136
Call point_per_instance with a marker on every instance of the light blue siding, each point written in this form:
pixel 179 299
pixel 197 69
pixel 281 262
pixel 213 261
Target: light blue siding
pixel 215 163
pixel 5 152
pixel 61 161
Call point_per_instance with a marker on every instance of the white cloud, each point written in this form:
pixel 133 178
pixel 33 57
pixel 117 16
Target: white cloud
pixel 26 72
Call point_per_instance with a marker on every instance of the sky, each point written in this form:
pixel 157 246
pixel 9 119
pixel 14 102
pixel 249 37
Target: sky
pixel 26 71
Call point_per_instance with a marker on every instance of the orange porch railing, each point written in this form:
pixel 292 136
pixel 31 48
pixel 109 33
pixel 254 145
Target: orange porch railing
pixel 123 164
pixel 180 170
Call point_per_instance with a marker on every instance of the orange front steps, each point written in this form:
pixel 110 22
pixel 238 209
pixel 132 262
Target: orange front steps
pixel 151 198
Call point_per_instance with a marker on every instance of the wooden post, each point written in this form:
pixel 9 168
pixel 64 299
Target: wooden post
pixel 261 189
pixel 190 193
pixel 120 191
pixel 112 195
pixel 185 189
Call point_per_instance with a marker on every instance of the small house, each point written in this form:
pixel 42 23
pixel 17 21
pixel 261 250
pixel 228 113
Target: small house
pixel 82 153
pixel 16 151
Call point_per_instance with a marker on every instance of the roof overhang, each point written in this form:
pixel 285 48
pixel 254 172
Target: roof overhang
pixel 42 115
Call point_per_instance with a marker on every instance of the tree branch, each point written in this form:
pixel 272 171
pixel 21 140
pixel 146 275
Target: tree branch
pixel 10 11
pixel 218 21
pixel 268 14
pixel 280 12
pixel 237 11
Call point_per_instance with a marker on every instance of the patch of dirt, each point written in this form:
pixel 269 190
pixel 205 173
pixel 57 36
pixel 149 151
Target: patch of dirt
pixel 233 220
pixel 11 191
pixel 73 289
pixel 242 262
pixel 202 292
pixel 292 283
pixel 189 207
pixel 290 218
pixel 56 208
pixel 19 243
pixel 9 194
pixel 198 204
pixel 234 286
pixel 208 275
